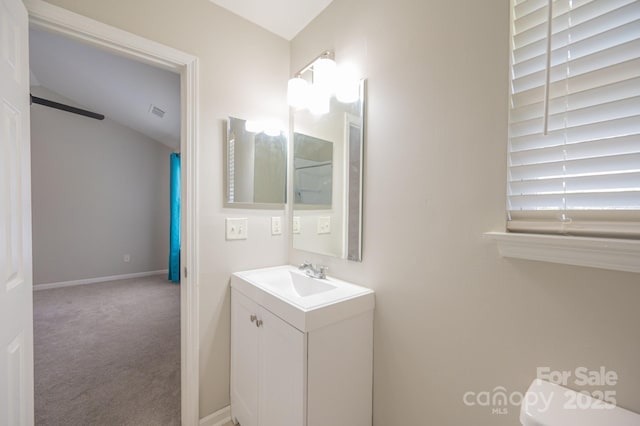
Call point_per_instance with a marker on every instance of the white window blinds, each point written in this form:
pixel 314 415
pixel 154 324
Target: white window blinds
pixel 574 125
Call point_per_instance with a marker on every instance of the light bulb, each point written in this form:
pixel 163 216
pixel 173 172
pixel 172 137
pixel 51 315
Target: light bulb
pixel 319 101
pixel 324 74
pixel 347 84
pixel 297 92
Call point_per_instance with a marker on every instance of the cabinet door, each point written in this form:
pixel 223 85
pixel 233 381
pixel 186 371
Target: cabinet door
pixel 244 359
pixel 283 356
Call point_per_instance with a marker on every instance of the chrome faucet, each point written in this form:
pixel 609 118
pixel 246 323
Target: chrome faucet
pixel 314 272
pixel 305 266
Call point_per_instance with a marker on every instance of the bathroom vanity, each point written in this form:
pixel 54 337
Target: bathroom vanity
pixel 301 350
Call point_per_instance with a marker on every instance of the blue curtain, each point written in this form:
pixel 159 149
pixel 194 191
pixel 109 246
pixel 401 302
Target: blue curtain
pixel 174 232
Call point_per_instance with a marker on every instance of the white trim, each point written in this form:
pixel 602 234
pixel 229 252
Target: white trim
pixel 98 34
pixel 190 295
pixel 219 418
pixel 58 20
pixel 97 280
pixel 605 253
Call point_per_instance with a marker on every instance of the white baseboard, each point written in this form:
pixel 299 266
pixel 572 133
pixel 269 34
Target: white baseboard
pixel 219 418
pixel 98 280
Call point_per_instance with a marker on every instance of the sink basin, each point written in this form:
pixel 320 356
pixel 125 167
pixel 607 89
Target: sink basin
pixel 283 280
pixel 307 286
pixel 304 302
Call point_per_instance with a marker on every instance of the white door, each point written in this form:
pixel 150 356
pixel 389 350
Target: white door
pixel 283 355
pixel 16 321
pixel 244 359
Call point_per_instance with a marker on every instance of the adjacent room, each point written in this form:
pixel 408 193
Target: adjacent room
pixel 105 140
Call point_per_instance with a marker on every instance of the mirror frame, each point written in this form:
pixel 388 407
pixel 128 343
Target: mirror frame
pixel 357 257
pixel 225 178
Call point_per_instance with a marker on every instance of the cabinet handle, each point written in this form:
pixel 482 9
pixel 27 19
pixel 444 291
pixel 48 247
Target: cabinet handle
pixel 253 318
pixel 259 323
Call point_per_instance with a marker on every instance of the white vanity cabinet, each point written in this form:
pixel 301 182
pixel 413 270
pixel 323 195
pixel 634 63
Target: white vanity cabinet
pixel 300 363
pixel 268 360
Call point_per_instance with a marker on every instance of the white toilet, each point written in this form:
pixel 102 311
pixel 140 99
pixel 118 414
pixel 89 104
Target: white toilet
pixel 547 404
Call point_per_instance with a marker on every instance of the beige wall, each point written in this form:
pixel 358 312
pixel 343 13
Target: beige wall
pixel 99 191
pixel 243 73
pixel 451 315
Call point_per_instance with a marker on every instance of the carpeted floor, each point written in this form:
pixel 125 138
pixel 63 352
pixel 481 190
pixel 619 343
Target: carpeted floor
pixel 108 354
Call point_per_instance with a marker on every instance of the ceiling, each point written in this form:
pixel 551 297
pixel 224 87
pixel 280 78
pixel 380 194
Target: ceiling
pixel 122 89
pixel 283 17
pixel 125 90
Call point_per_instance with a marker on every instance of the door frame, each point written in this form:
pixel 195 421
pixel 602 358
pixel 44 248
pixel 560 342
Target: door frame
pixel 72 25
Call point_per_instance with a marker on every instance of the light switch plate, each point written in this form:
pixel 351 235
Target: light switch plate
pixel 296 224
pixel 324 225
pixel 237 228
pixel 276 225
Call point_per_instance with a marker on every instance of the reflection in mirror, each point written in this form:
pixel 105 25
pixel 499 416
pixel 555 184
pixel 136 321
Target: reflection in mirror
pixel 327 179
pixel 313 171
pixel 256 166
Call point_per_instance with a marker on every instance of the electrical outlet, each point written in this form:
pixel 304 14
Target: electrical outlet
pixel 324 225
pixel 237 228
pixel 127 258
pixel 296 224
pixel 276 225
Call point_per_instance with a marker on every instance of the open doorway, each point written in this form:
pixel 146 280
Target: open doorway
pixel 185 65
pixel 101 186
pixel 101 208
pixel 16 333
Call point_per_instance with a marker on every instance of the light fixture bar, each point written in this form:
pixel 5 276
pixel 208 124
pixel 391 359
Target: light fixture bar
pixel 327 54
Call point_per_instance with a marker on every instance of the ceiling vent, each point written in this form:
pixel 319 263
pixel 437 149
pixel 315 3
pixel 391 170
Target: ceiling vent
pixel 156 111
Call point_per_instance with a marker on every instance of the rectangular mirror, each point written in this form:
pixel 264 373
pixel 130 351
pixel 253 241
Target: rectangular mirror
pixel 256 175
pixel 327 179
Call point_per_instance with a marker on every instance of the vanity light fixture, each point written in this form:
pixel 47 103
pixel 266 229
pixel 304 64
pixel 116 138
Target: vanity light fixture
pixel 319 101
pixel 297 92
pixel 327 79
pixel 315 95
pixel 324 74
pixel 347 84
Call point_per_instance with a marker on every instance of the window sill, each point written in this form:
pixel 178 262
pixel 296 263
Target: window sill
pixel 605 253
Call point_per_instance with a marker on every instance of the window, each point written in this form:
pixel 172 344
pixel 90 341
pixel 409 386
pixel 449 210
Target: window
pixel 574 125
